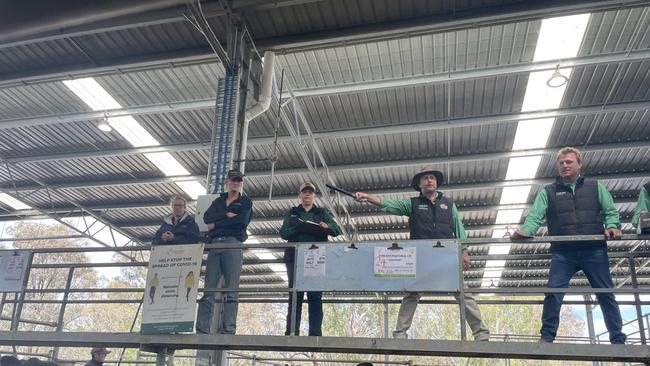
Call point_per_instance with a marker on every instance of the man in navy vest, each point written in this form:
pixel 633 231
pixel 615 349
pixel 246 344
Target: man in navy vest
pixel 431 216
pixel 574 205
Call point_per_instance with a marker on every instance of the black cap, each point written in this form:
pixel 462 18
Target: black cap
pixel 235 174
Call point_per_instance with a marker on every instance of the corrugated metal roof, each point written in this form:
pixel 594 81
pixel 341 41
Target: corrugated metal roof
pixel 376 162
pixel 141 41
pixel 337 14
pixel 160 86
pixel 38 100
pixel 418 55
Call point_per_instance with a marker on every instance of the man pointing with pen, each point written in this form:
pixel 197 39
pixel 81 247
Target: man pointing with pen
pixel 431 216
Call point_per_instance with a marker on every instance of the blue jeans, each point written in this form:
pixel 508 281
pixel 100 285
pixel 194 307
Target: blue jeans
pixel 595 265
pixel 226 263
pixel 314 299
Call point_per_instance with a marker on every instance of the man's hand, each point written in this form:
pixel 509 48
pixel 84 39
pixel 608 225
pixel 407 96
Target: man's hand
pixel 361 197
pixel 324 225
pixel 167 236
pixel 466 260
pixel 613 233
pixel 366 197
pixel 230 215
pixel 517 234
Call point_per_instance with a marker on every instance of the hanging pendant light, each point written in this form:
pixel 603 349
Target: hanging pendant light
pixel 557 79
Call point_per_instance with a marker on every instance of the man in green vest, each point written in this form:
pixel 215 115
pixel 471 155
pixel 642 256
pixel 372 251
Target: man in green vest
pixel 575 205
pixel 431 216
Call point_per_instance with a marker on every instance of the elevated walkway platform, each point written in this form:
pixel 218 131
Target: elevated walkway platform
pixel 434 348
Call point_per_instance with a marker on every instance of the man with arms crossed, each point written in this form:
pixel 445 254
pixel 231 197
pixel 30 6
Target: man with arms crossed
pixel 227 218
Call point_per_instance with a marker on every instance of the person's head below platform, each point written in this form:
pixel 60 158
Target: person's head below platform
pixel 99 353
pixel 365 364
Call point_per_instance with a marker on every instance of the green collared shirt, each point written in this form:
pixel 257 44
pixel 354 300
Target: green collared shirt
pixel 643 204
pixel 403 208
pixel 289 232
pixel 537 214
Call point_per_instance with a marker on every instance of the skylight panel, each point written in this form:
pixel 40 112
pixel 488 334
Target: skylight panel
pixel 508 216
pixel 167 163
pixel 498 233
pixel 132 131
pixel 499 249
pixel 13 203
pixel 93 94
pixel 263 254
pixel 539 96
pixel 533 134
pixel 514 195
pixel 523 168
pixel 97 98
pixel 491 278
pixel 495 264
pixel 192 188
pixel 560 37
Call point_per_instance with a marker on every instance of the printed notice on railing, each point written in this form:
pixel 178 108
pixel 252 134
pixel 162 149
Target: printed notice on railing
pixel 12 268
pixel 395 263
pixel 315 262
pixel 171 288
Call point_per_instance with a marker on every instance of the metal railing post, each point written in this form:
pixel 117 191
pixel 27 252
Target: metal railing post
pixel 637 299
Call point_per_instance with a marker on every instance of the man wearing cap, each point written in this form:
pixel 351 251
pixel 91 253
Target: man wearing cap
pixel 431 216
pixel 179 227
pixel 295 228
pixel 574 205
pixel 98 356
pixel 227 218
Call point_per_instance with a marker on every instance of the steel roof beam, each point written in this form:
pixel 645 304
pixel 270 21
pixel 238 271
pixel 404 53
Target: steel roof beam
pixel 530 10
pixel 150 18
pixel 348 133
pixel 478 73
pixel 343 167
pixel 452 21
pixel 197 56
